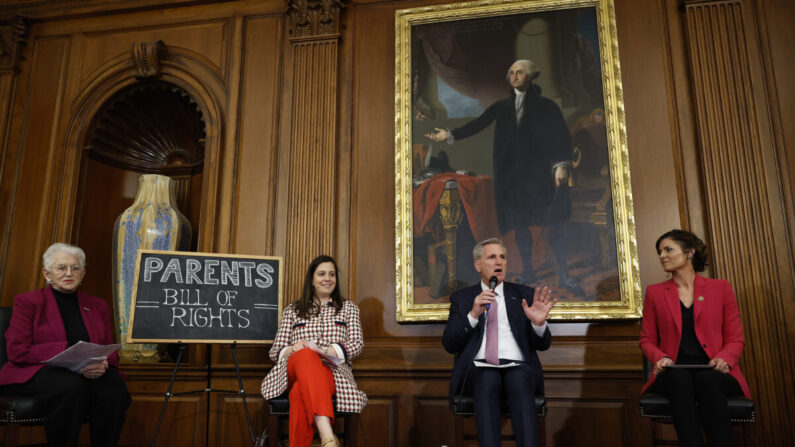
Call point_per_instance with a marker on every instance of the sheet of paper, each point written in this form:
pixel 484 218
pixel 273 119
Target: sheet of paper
pixel 80 354
pixel 482 364
pixel 334 360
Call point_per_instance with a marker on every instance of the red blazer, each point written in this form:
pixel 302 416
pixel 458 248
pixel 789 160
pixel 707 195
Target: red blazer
pixel 717 321
pixel 37 333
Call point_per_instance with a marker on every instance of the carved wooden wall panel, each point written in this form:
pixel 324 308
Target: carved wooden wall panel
pixel 380 425
pixel 206 39
pixel 742 209
pixel 183 422
pixel 260 106
pixel 436 427
pixel 37 170
pixel 373 244
pixel 581 407
pixel 585 409
pixel 402 399
pixel 775 18
pixel 228 424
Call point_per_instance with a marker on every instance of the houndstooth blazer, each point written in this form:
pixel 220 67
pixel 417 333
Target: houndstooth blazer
pixel 343 328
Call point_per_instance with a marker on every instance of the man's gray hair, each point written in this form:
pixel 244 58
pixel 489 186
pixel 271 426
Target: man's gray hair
pixel 60 247
pixel 477 252
pixel 532 71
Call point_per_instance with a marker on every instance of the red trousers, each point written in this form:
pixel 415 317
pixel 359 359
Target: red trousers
pixel 311 387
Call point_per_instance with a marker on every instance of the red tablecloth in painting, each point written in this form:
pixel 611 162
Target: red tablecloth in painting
pixel 477 197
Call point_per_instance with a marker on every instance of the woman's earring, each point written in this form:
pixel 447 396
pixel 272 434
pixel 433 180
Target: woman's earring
pixel 49 281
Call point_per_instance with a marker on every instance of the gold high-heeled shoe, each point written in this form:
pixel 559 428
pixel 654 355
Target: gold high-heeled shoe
pixel 331 442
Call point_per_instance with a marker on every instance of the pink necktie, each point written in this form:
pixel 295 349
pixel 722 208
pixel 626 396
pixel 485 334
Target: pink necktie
pixel 492 337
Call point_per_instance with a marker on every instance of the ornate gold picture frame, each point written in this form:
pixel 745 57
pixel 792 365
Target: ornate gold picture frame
pixel 509 122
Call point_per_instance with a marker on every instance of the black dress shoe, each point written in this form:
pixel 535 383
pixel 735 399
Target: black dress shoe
pixel 572 285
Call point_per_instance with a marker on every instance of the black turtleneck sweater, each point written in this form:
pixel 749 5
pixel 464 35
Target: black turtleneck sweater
pixel 72 320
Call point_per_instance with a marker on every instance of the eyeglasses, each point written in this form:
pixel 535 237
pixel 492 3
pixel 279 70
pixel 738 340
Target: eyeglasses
pixel 61 269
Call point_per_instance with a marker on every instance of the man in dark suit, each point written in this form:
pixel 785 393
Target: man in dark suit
pixel 495 328
pixel 532 164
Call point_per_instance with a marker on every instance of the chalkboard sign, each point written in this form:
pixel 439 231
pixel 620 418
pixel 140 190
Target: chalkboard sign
pixel 204 298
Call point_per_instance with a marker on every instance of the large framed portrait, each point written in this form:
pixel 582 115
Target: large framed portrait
pixel 509 124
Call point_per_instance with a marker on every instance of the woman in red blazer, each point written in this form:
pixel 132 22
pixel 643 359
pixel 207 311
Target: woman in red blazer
pixel 692 320
pixel 44 323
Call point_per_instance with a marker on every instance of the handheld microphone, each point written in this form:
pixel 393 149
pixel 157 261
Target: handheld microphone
pixel 492 285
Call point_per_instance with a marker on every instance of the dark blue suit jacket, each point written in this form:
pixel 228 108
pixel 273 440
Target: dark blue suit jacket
pixel 464 340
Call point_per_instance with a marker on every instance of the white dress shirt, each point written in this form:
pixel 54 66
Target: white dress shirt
pixel 508 349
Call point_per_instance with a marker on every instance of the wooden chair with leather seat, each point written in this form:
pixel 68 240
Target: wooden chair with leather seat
pixel 657 408
pixel 15 410
pixel 464 406
pixel 279 411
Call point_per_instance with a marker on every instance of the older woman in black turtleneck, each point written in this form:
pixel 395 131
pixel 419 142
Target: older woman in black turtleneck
pixel 44 323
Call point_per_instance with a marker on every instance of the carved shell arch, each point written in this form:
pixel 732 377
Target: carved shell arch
pixel 151 126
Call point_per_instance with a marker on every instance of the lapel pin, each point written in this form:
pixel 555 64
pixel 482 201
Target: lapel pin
pixel 86 309
pixel 701 298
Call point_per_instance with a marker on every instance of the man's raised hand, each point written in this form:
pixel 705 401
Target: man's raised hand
pixel 542 303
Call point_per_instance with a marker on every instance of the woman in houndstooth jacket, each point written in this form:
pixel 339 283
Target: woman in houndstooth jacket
pixel 321 319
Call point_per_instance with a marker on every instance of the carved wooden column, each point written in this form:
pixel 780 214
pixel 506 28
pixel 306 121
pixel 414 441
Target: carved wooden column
pixel 744 205
pixel 314 28
pixel 13 35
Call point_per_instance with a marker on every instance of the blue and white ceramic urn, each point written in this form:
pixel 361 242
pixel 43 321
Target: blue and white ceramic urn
pixel 152 222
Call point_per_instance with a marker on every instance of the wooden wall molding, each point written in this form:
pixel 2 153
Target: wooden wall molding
pixel 741 205
pixel 395 357
pixel 13 38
